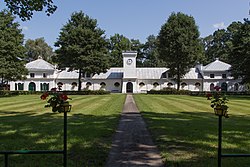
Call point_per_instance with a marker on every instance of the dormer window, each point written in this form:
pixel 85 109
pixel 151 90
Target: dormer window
pixel 164 75
pixel 44 75
pixel 87 75
pixel 211 75
pixel 224 75
pixel 32 75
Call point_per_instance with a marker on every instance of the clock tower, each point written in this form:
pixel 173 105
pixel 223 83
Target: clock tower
pixel 129 64
pixel 129 73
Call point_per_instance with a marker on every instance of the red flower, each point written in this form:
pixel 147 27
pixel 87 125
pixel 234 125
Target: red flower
pixel 44 96
pixel 64 97
pixel 217 88
pixel 209 95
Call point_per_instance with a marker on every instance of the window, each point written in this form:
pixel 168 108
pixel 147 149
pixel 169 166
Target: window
pixel 236 87
pixel 170 84
pixel 32 75
pixel 88 75
pixel 211 87
pixel 211 75
pixel 141 84
pixel 164 75
pixel 156 84
pixel 117 84
pixel 44 75
pixel 224 75
pixel 44 86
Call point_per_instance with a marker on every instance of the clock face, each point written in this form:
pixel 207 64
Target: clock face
pixel 129 61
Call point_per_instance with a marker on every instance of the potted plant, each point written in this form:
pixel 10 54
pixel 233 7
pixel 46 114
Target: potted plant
pixel 218 102
pixel 57 100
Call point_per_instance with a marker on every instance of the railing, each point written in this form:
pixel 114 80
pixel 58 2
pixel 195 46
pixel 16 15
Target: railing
pixel 64 151
pixel 220 155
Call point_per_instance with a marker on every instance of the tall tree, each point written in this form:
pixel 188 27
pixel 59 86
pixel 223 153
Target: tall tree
pixel 179 45
pixel 82 46
pixel 137 46
pixel 240 55
pixel 117 44
pixel 38 48
pixel 11 49
pixel 150 52
pixel 24 9
pixel 219 44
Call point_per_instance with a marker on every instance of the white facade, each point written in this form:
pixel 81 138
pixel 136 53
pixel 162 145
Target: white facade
pixel 44 76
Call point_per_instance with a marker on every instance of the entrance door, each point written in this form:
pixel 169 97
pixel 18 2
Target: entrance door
pixel 224 86
pixel 32 86
pixel 129 87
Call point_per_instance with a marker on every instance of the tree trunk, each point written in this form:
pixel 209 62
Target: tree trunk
pixel 178 78
pixel 79 80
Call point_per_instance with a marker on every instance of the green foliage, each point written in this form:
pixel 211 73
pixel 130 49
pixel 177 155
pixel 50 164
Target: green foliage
pixel 240 55
pixel 38 48
pixel 179 45
pixel 151 55
pixel 25 9
pixel 82 46
pixel 117 44
pixel 219 45
pixel 11 49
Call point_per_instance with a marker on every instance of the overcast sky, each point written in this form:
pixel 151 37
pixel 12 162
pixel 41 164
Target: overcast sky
pixel 135 19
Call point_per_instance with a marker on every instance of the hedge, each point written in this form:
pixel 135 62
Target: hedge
pixel 86 92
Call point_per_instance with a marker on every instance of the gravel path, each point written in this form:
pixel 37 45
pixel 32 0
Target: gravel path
pixel 132 145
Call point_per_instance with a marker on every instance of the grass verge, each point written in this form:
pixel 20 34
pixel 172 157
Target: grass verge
pixel 26 125
pixel 185 129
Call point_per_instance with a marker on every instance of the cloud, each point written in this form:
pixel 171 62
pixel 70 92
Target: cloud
pixel 25 28
pixel 219 25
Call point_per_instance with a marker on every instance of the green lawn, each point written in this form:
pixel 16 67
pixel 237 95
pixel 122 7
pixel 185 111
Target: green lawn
pixel 185 129
pixel 26 125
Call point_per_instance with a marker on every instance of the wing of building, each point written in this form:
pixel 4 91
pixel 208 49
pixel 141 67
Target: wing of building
pixel 129 78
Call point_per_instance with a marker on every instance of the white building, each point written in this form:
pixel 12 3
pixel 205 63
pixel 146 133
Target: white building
pixel 129 78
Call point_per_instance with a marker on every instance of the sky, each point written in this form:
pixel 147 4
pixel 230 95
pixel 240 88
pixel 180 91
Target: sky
pixel 135 19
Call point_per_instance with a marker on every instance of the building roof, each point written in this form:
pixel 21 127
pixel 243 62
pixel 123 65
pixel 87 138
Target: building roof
pixel 150 73
pixel 112 73
pixel 141 73
pixel 65 74
pixel 217 65
pixel 192 74
pixel 39 65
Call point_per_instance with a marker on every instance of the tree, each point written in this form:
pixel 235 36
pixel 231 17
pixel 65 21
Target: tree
pixel 151 55
pixel 38 47
pixel 240 55
pixel 137 46
pixel 82 46
pixel 219 44
pixel 25 9
pixel 117 44
pixel 179 45
pixel 11 49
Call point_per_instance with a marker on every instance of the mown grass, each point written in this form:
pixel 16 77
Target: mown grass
pixel 185 129
pixel 26 125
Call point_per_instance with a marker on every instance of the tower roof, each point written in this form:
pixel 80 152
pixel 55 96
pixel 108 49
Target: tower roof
pixel 39 65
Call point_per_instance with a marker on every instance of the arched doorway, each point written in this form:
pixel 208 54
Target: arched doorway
pixel 129 87
pixel 32 86
pixel 211 87
pixel 224 86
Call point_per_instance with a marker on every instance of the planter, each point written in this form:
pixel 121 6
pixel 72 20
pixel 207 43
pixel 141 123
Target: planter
pixel 218 110
pixel 64 107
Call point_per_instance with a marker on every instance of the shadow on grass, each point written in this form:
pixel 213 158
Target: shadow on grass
pixel 89 138
pixel 190 138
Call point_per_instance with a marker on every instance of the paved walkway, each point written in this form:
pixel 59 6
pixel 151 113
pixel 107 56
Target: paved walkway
pixel 132 145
